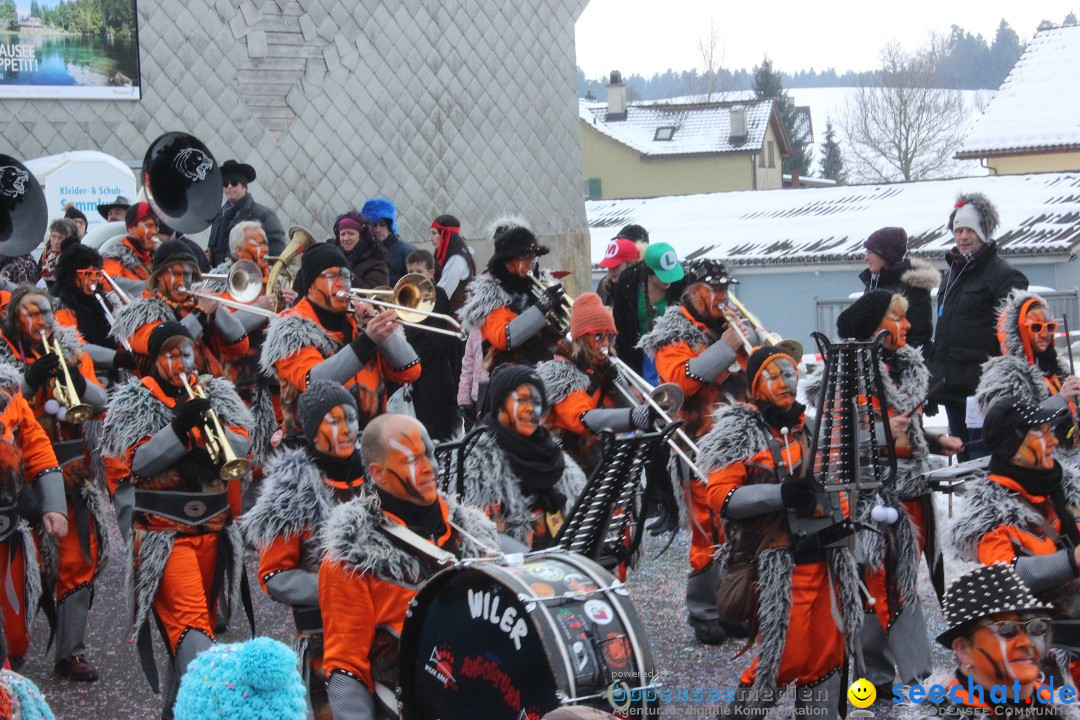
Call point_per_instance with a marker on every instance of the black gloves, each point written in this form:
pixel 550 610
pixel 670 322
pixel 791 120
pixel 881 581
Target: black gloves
pixel 188 415
pixel 77 380
pixel 797 494
pixel 610 374
pixel 550 298
pixel 44 367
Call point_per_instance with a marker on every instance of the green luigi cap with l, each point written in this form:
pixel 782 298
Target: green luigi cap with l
pixel 662 260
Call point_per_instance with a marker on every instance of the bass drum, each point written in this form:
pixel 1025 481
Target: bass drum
pixel 516 641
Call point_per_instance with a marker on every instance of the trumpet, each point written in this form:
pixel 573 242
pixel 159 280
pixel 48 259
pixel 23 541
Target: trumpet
pixel 767 338
pixel 64 392
pixel 665 399
pixel 244 284
pixel 413 297
pixel 217 441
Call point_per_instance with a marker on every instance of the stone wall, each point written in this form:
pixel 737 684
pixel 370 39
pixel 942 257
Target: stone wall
pixel 460 106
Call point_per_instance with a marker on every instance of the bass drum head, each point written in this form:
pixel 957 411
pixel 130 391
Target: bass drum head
pixel 182 182
pixel 514 642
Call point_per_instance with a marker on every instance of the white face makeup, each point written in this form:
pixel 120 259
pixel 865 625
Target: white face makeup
pixel 338 431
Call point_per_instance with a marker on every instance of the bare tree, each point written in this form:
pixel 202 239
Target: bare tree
pixel 712 60
pixel 903 126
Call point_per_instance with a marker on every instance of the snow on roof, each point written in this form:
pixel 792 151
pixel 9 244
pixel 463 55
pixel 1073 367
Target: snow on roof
pixel 1039 214
pixel 704 128
pixel 1037 108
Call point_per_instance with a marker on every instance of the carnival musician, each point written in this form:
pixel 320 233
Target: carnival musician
pixel 1029 365
pixel 216 333
pixel 897 644
pixel 184 537
pixel 129 259
pixel 369 576
pixel 695 346
pixel 516 319
pixel 300 489
pixel 756 455
pixel 320 339
pixel 79 554
pixel 517 472
pixel 1022 511
pixel 28 470
pixel 579 381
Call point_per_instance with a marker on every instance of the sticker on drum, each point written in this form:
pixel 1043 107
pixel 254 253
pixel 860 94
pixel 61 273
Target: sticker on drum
pixel 599 612
pixel 579 584
pixel 615 647
pixel 544 571
pixel 542 590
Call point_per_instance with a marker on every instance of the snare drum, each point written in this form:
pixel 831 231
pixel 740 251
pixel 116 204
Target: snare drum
pixel 517 641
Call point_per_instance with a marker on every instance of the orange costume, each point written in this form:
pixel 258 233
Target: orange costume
pixel 300 348
pixel 124 260
pixel 183 535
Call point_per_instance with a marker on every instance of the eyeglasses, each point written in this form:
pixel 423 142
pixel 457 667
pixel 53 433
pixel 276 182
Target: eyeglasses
pixel 1037 327
pixel 1008 629
pixel 231 183
pixel 601 336
pixel 344 275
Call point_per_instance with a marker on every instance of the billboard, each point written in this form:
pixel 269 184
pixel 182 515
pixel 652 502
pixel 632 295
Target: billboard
pixel 69 49
pixel 84 178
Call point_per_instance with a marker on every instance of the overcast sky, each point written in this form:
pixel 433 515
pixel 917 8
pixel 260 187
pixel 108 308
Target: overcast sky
pixel 648 36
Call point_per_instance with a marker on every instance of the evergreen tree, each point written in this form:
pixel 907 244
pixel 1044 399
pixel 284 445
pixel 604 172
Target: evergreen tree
pixel 1005 51
pixel 8 18
pixel 832 160
pixel 768 85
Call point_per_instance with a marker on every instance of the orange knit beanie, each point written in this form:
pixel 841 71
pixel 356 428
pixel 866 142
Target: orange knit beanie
pixel 590 316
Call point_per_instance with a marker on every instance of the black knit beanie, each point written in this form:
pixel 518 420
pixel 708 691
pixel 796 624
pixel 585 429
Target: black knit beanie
pixel 864 316
pixel 161 333
pixel 504 379
pixel 321 397
pixel 316 259
pixel 760 357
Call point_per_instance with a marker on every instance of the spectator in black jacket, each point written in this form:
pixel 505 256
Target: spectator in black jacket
pixel 240 206
pixel 620 254
pixel 888 268
pixel 382 214
pixel 974 284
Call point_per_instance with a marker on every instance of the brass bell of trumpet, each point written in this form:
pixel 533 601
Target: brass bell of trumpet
pixel 217 441
pixel 413 298
pixel 244 281
pixel 64 388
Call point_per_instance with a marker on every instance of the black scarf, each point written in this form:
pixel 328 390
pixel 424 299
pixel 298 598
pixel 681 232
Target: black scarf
pixel 89 316
pixel 424 520
pixel 334 321
pixel 1033 480
pixel 519 288
pixel 716 326
pixel 344 469
pixel 537 460
pixel 778 417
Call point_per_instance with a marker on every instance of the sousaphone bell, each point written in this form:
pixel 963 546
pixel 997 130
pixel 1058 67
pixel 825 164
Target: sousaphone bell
pixel 182 181
pixel 24 214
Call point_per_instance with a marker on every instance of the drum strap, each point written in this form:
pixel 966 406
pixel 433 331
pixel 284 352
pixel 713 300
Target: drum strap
pixel 418 543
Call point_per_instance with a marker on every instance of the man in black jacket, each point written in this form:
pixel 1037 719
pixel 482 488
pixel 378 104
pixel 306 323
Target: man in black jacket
pixel 888 268
pixel 240 206
pixel 974 284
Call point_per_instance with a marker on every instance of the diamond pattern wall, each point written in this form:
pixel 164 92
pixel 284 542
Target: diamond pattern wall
pixel 459 106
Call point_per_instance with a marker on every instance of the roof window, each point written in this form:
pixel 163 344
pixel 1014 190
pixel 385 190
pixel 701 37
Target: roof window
pixel 664 133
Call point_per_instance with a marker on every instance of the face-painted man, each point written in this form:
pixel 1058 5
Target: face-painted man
pixel 175 361
pixel 254 248
pixel 33 315
pixel 521 410
pixel 173 281
pixel 329 289
pixel 88 280
pixel 1036 450
pixel 895 322
pixel 337 433
pixel 776 382
pixel 405 469
pixel 1005 647
pixel 522 265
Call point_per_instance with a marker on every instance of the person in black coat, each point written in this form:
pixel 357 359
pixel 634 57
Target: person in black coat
pixel 888 268
pixel 240 206
pixel 975 283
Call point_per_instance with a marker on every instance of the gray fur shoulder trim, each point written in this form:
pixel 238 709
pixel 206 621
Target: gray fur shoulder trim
pixel 133 414
pixel 10 375
pixel 287 334
pixel 561 378
pixel 738 431
pixel 117 249
pixel 673 327
pixel 485 296
pixel 352 538
pixel 140 312
pixel 293 498
pixel 988 506
pixel 1007 375
pixel 228 405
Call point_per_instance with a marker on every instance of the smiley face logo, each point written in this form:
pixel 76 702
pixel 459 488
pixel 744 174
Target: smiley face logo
pixel 862 693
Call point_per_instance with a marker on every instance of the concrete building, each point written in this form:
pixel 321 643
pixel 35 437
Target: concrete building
pixel 459 106
pixel 1033 122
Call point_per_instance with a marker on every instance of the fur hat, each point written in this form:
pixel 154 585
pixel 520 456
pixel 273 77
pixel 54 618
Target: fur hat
pixel 380 208
pixel 1008 420
pixel 74 256
pixel 254 680
pixel 888 243
pixel 512 241
pixel 505 378
pixel 864 315
pixel 321 397
pixel 985 591
pixel 316 259
pixel 975 211
pixel 589 315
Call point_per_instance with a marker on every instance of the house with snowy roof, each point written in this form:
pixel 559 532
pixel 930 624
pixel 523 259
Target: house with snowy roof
pixel 1033 122
pixel 797 255
pixel 643 150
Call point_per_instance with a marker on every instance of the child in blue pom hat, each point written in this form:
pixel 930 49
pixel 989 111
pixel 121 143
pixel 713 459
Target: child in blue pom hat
pixel 382 215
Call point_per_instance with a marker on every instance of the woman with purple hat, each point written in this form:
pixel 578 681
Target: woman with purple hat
pixel 889 268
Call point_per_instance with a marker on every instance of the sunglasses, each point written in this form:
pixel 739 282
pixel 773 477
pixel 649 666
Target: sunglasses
pixel 231 183
pixel 1009 629
pixel 601 336
pixel 1037 327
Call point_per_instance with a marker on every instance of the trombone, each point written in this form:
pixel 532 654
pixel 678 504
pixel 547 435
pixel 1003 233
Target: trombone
pixel 664 399
pixel 767 338
pixel 244 284
pixel 217 441
pixel 64 392
pixel 413 297
pixel 122 296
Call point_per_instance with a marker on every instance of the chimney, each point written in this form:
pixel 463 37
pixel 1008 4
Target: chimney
pixel 616 98
pixel 738 125
pixel 795 178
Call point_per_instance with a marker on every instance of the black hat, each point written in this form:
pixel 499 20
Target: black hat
pixel 161 333
pixel 233 170
pixel 321 397
pixel 983 592
pixel 863 316
pixel 505 378
pixel 119 202
pixel 1007 422
pixel 710 271
pixel 760 357
pixel 512 241
pixel 73 213
pixel 634 233
pixel 170 251
pixel 315 260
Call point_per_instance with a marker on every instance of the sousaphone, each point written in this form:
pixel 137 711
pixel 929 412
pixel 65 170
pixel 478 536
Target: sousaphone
pixel 182 181
pixel 24 214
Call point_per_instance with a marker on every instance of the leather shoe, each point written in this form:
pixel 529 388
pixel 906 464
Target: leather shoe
pixel 708 632
pixel 76 668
